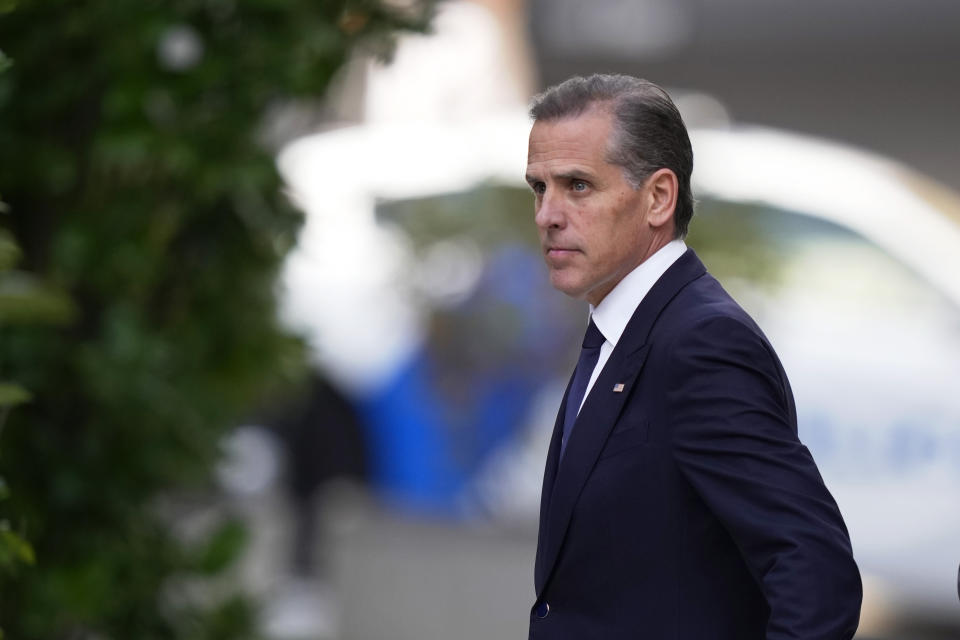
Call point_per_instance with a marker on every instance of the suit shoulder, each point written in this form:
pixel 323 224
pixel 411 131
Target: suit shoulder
pixel 704 325
pixel 703 304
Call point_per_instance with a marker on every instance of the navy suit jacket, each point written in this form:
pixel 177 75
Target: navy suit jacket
pixel 685 507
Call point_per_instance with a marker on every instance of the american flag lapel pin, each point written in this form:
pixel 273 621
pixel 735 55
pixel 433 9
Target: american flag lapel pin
pixel 617 388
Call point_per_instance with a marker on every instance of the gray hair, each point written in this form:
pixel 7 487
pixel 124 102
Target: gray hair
pixel 648 132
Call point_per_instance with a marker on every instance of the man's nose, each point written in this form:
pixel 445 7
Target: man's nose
pixel 550 213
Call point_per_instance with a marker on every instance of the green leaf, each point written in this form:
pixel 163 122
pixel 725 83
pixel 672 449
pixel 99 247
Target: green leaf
pixel 13 549
pixel 9 251
pixel 223 547
pixel 10 396
pixel 24 299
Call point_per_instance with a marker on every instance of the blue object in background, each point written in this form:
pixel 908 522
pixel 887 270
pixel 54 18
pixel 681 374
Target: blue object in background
pixel 467 391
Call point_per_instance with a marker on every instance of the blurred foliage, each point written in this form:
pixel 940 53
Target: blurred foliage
pixel 25 301
pixel 498 215
pixel 135 183
pixel 739 242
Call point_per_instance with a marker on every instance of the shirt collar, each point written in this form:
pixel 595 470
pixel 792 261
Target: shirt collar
pixel 615 310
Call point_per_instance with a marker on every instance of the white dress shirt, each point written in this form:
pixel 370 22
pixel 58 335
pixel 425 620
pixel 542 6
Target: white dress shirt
pixel 615 310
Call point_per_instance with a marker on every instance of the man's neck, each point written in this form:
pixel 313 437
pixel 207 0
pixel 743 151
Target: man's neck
pixel 615 310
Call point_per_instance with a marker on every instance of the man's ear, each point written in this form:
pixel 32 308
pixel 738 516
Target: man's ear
pixel 662 191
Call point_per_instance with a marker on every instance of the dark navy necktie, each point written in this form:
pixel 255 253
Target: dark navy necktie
pixel 589 354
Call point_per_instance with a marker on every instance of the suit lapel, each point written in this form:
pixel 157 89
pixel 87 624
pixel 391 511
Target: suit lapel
pixel 564 480
pixel 593 425
pixel 549 477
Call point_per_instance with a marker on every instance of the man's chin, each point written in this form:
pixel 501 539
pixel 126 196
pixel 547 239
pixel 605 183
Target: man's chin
pixel 566 286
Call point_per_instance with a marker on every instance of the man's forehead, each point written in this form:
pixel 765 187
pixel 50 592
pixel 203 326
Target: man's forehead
pixel 579 138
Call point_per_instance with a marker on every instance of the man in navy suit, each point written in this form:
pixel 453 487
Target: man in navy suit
pixel 678 502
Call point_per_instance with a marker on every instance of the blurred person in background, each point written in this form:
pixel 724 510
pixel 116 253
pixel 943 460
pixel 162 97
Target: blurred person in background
pixel 678 501
pixel 324 441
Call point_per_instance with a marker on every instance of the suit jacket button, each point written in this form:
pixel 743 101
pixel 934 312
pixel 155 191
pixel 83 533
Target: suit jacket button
pixel 541 610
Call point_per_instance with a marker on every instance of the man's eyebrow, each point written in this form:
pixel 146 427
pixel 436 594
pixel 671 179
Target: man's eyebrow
pixel 563 176
pixel 573 175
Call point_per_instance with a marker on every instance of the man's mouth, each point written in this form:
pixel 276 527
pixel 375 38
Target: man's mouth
pixel 558 252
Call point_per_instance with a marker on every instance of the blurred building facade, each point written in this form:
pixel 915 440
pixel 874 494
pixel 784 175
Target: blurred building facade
pixel 877 74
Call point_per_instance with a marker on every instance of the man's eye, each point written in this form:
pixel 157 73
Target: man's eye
pixel 539 188
pixel 579 185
